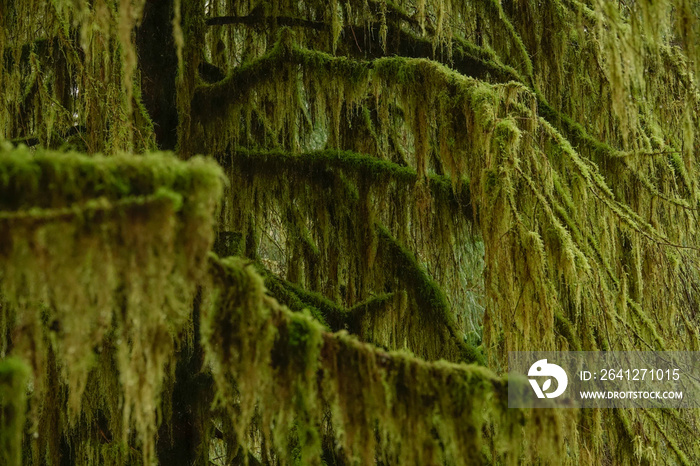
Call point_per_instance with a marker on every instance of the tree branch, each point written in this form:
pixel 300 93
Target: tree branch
pixel 252 20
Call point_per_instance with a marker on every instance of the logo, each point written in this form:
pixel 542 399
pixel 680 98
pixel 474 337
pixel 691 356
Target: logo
pixel 543 369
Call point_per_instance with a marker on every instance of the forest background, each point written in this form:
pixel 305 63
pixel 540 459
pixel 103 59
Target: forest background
pixel 393 195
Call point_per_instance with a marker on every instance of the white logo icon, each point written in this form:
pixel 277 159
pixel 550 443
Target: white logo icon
pixel 542 368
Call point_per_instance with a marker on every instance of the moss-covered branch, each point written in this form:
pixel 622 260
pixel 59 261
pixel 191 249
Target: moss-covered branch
pixel 366 167
pixel 323 309
pixel 385 404
pixel 431 302
pixel 258 20
pixel 99 261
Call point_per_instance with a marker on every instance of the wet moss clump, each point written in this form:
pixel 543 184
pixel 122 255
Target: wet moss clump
pixel 99 261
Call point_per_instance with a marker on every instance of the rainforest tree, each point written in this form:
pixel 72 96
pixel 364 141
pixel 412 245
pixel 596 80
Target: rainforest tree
pixel 393 196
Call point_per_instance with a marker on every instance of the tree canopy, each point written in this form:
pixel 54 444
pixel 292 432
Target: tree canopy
pixel 310 232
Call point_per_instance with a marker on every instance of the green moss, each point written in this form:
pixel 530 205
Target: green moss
pixel 298 299
pixel 579 176
pixel 115 237
pixel 48 179
pixel 566 329
pixel 430 299
pixel 297 374
pixel 14 376
pixel 327 310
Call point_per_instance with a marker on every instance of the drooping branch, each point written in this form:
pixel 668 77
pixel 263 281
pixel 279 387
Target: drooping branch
pixel 364 166
pixel 294 373
pixel 258 20
pixel 435 311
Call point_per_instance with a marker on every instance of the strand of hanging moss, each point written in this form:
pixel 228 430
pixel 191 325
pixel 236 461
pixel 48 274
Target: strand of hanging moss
pixel 14 376
pixel 567 330
pixel 563 213
pixel 670 440
pixel 646 321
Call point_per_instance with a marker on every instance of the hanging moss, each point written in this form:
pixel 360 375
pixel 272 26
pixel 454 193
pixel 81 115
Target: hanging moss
pixel 429 298
pixel 14 375
pixel 269 171
pixel 560 137
pixel 116 238
pixel 83 70
pixel 534 191
pixel 362 165
pixel 387 404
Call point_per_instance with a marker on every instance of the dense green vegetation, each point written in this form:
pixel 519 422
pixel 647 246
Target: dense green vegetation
pixel 365 206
